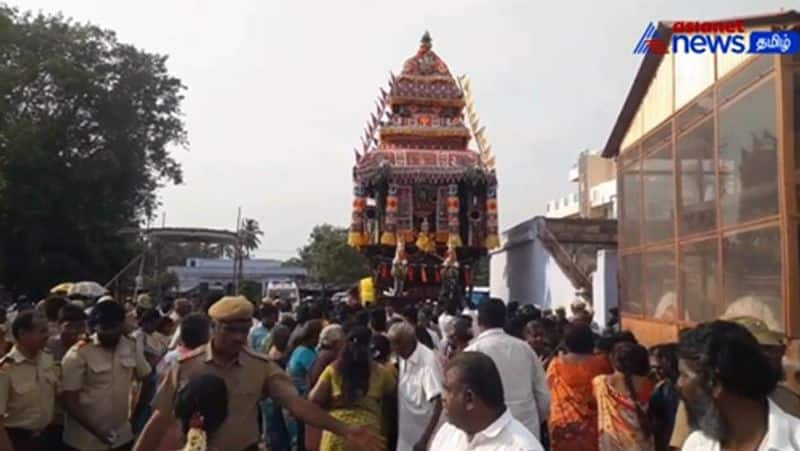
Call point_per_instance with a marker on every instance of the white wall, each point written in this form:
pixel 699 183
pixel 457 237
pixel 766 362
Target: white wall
pixel 498 282
pixel 523 271
pixel 555 289
pixel 603 193
pixel 604 285
pixel 514 273
pixel 563 206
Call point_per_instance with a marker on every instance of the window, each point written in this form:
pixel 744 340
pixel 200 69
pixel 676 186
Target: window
pixel 695 153
pixel 631 189
pixel 631 278
pixel 748 157
pixel 698 110
pixel 698 289
pixel 797 133
pixel 659 211
pixel 659 281
pixel 613 208
pixel 729 61
pixel 797 116
pixel 693 74
pixel 657 138
pixel 755 70
pixel 752 275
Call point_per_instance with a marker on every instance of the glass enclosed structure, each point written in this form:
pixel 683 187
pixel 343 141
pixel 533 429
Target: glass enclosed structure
pixel 708 161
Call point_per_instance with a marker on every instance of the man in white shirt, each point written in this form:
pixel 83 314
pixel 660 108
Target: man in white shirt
pixel 445 321
pixel 419 389
pixel 195 331
pixel 477 417
pixel 424 319
pixel 524 380
pixel 725 379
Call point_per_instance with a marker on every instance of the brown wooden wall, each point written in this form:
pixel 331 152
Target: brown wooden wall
pixel 651 333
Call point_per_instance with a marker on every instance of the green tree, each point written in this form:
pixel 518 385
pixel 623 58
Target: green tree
pixel 251 290
pixel 163 282
pixel 86 123
pixel 250 233
pixel 329 260
pixel 294 262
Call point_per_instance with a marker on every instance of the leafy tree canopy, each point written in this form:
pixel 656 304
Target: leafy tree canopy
pixel 86 125
pixel 328 258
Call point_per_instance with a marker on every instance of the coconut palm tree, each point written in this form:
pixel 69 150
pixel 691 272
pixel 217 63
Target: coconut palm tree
pixel 250 233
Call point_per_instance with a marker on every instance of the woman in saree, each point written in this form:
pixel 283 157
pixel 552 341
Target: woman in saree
pixel 331 341
pixel 622 398
pixel 353 389
pixel 572 424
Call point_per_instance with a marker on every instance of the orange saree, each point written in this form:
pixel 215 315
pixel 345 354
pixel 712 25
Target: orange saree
pixel 573 411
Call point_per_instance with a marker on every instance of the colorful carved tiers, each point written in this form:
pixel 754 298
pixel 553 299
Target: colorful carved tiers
pixel 417 165
pixel 426 80
pixel 417 184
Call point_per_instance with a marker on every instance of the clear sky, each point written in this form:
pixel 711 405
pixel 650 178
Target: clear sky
pixel 279 91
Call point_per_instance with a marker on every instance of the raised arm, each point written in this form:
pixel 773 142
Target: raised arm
pixel 162 418
pixel 155 429
pixel 321 393
pixel 306 411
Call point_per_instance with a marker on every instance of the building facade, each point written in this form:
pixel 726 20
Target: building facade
pixel 218 273
pixel 595 195
pixel 548 261
pixel 708 165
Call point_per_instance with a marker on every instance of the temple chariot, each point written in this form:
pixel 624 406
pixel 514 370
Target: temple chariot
pixel 425 203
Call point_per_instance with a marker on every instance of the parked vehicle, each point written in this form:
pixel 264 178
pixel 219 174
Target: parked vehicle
pixel 285 290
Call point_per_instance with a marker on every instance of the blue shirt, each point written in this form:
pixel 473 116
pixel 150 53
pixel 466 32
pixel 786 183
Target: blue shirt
pixel 259 337
pixel 299 365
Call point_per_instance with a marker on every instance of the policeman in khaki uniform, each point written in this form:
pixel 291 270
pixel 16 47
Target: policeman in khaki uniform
pixel 28 387
pixel 249 377
pixel 96 381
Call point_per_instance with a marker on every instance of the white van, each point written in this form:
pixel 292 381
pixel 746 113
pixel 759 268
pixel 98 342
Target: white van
pixel 286 290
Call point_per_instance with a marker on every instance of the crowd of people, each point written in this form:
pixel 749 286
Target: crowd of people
pixel 236 375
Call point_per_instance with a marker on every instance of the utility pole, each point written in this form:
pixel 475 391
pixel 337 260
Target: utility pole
pixel 139 286
pixel 237 253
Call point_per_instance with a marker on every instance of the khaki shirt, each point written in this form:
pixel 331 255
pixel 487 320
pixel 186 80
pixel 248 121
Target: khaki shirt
pixel 27 390
pixel 103 379
pixel 251 378
pixel 57 350
pixel 154 344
